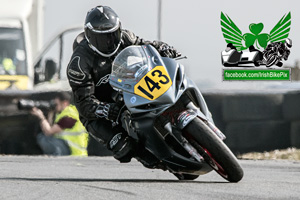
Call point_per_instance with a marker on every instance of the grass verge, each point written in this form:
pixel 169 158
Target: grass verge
pixel 285 154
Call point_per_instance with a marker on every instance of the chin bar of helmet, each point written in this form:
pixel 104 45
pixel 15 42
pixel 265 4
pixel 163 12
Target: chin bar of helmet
pixel 103 54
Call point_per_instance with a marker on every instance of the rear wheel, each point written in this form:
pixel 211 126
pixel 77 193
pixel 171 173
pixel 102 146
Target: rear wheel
pixel 256 64
pixel 213 150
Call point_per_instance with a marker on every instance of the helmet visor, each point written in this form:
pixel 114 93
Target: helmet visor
pixel 105 42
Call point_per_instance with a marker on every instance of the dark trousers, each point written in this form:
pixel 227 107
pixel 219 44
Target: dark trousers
pixel 53 146
pixel 102 130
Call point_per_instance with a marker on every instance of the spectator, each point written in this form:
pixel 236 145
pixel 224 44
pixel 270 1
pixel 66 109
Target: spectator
pixel 67 136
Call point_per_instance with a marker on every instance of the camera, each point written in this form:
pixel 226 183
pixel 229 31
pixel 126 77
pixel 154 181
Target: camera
pixel 26 104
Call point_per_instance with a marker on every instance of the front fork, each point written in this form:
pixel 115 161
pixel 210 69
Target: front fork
pixel 183 119
pixel 189 115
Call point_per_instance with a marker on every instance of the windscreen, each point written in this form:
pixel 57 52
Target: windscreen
pixel 12 52
pixel 131 63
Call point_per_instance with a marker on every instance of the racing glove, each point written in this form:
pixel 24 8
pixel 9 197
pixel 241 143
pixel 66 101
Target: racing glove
pixel 110 111
pixel 166 50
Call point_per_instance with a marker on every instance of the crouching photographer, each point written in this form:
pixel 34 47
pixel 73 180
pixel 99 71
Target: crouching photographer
pixel 67 136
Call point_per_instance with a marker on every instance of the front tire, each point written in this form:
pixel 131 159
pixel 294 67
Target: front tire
pixel 213 150
pixel 271 60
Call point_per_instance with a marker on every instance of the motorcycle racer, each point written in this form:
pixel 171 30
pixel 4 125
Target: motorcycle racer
pixel 88 73
pixel 282 50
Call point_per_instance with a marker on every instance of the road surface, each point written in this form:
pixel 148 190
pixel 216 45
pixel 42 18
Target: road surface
pixel 40 177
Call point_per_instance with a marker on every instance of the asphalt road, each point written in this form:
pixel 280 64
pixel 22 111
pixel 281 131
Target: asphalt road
pixel 25 177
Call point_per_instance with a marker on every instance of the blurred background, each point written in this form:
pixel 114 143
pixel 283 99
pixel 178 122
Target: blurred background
pixel 193 27
pixel 255 116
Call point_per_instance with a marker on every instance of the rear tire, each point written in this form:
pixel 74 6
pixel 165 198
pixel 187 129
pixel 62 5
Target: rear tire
pixel 214 150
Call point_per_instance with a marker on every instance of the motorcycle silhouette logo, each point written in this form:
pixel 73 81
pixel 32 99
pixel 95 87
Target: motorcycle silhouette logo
pixel 264 48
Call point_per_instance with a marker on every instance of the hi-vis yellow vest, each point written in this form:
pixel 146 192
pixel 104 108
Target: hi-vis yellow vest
pixel 77 136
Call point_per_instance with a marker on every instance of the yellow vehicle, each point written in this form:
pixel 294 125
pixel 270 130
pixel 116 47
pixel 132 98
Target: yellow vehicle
pixel 21 38
pixel 23 63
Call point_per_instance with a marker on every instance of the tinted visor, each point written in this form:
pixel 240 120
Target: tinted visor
pixel 105 42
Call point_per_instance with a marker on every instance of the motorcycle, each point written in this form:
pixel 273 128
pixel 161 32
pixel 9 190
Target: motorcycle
pixel 274 55
pixel 165 113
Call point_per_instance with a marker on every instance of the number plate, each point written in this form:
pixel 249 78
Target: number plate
pixel 153 84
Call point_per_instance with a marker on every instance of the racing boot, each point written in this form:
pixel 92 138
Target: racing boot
pixel 122 146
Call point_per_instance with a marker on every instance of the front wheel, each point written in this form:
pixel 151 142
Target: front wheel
pixel 213 150
pixel 271 60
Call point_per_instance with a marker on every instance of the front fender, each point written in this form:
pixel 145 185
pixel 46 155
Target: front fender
pixel 187 116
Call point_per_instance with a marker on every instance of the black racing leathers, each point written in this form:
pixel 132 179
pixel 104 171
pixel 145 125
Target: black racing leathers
pixel 88 74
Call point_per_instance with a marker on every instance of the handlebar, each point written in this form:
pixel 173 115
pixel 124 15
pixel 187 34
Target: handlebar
pixel 180 58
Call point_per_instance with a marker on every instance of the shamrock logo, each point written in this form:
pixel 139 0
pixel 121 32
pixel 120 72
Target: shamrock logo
pixel 233 34
pixel 261 38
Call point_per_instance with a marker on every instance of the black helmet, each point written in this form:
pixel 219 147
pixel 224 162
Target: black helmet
pixel 102 30
pixel 288 42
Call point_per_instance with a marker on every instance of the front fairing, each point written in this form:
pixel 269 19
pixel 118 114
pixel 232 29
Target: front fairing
pixel 137 103
pixel 153 107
